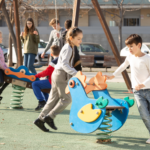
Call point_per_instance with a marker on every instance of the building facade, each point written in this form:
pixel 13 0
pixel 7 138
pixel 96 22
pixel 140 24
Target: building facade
pixel 135 21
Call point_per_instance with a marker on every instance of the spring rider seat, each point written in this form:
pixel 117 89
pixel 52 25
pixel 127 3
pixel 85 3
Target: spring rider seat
pixel 102 113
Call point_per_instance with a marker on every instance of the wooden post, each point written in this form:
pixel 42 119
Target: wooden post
pixel 1 3
pixel 17 26
pixel 75 16
pixel 111 41
pixel 10 42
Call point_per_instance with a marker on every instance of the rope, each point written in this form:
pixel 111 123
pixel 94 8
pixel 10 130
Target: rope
pixel 56 17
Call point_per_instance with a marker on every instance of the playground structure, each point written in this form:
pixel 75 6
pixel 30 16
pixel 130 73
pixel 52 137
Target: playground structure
pixel 102 113
pixel 87 115
pixel 17 28
pixel 75 18
pixel 107 32
pixel 21 79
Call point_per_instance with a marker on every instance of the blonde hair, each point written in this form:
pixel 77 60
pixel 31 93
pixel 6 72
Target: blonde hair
pixel 53 21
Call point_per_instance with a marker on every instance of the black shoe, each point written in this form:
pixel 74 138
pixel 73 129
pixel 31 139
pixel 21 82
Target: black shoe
pixel 50 122
pixel 1 98
pixel 40 124
pixel 40 105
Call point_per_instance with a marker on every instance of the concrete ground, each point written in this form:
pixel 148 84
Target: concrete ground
pixel 17 131
pixel 93 71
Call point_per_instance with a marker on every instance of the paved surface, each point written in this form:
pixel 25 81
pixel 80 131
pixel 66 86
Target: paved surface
pixel 89 74
pixel 116 79
pixel 17 131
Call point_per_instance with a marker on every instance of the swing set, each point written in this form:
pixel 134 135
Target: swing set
pixel 75 18
pixel 109 117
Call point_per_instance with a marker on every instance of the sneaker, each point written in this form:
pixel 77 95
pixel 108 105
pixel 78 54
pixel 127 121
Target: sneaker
pixel 40 124
pixel 148 141
pixel 50 122
pixel 40 105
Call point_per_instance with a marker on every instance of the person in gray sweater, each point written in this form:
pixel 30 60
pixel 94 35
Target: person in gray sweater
pixel 58 100
pixel 54 38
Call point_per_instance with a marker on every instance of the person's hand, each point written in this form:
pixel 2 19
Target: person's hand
pixel 35 32
pixel 140 86
pixel 109 77
pixel 42 55
pixel 21 33
pixel 58 35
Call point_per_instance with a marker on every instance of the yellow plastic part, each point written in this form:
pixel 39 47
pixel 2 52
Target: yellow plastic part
pixel 88 114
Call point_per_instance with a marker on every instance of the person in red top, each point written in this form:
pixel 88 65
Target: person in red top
pixel 45 84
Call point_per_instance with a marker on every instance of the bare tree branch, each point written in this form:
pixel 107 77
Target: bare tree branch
pixel 111 13
pixel 117 4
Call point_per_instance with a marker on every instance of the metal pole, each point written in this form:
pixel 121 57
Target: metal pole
pixel 75 16
pixel 17 26
pixel 111 41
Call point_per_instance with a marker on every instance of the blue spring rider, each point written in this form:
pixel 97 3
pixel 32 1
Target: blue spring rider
pixel 21 79
pixel 102 113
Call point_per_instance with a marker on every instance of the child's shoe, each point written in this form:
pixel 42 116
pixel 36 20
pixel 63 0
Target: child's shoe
pixel 50 122
pixel 40 105
pixel 148 141
pixel 40 124
pixel 1 99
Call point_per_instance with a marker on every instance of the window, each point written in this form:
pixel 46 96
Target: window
pixel 131 22
pixel 42 45
pixel 148 46
pixel 2 46
pixel 91 48
pixel 39 45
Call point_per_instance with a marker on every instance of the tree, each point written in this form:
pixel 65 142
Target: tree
pixel 122 10
pixel 24 6
pixel 120 15
pixel 10 27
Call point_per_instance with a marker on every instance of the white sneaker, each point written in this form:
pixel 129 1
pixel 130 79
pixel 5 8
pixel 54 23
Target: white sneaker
pixel 148 141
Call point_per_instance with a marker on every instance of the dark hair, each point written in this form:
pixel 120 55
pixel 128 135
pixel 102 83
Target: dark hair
pixel 68 24
pixel 55 50
pixel 133 38
pixel 53 21
pixel 27 30
pixel 73 32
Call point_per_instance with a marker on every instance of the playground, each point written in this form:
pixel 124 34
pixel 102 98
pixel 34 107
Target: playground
pixel 102 114
pixel 18 131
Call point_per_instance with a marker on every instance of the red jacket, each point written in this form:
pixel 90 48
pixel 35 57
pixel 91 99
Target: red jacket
pixel 47 72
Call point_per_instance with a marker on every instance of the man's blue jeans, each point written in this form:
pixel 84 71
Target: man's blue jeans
pixel 29 59
pixel 143 102
pixel 38 86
